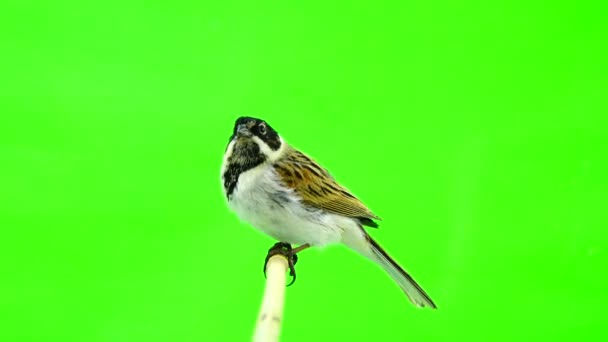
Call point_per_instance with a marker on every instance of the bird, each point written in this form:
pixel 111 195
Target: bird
pixel 287 195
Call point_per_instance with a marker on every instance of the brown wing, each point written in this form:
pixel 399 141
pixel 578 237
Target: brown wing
pixel 318 188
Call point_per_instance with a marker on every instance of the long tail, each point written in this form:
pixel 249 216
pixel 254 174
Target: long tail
pixel 413 291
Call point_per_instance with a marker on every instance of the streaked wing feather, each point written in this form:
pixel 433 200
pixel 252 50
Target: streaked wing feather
pixel 318 188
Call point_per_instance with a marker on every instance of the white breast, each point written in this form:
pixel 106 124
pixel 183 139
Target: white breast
pixel 261 200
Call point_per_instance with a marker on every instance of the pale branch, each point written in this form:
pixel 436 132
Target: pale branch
pixel 268 326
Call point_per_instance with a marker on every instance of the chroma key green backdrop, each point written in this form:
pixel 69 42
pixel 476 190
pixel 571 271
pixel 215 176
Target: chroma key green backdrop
pixel 477 131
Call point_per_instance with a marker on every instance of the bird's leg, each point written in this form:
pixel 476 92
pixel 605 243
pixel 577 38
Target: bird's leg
pixel 299 249
pixel 285 249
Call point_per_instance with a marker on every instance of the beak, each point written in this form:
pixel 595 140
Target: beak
pixel 243 131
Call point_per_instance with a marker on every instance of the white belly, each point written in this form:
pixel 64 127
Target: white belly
pixel 263 202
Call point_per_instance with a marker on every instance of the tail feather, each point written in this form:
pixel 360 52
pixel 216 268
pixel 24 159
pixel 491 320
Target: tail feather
pixel 413 291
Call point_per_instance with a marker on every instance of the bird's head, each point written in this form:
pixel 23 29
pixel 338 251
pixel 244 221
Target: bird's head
pixel 255 136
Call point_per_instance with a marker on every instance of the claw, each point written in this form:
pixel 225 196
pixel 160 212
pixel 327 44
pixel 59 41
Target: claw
pixel 284 249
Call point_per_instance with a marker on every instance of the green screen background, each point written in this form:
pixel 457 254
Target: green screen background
pixel 475 129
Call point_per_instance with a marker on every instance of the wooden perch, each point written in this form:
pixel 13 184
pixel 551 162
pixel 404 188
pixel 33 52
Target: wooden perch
pixel 268 326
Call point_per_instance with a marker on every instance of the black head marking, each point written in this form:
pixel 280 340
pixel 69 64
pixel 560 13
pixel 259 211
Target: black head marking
pixel 246 153
pixel 260 129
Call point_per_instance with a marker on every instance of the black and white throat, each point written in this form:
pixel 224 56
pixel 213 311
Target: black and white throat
pixel 253 143
pixel 240 156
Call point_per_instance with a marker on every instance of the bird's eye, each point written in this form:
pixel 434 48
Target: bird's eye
pixel 262 129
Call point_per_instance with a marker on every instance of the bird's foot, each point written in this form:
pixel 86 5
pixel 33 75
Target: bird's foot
pixel 283 248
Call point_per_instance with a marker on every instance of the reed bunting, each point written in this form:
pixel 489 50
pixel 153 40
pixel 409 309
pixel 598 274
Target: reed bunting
pixel 287 195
